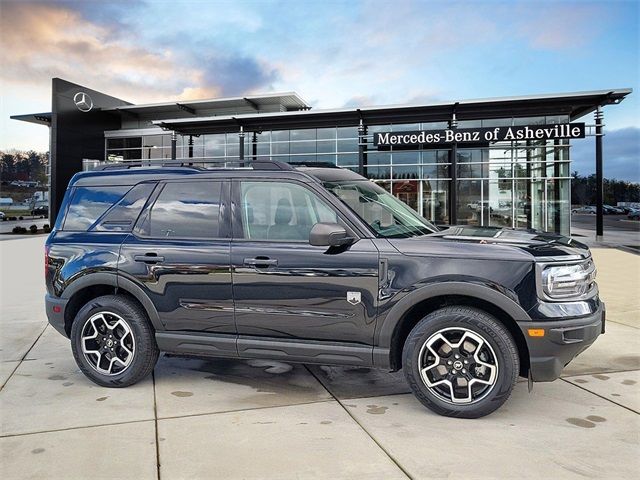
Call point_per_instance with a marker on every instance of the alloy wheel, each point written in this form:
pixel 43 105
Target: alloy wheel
pixel 107 343
pixel 458 365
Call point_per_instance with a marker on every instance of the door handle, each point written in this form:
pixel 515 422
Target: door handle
pixel 148 258
pixel 261 262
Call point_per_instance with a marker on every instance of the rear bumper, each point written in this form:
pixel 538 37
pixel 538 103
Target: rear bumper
pixel 54 308
pixel 563 340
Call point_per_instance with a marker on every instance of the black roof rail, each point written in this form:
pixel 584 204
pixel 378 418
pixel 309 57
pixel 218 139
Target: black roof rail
pixel 128 165
pixel 188 163
pixel 270 165
pixel 314 164
pixel 118 166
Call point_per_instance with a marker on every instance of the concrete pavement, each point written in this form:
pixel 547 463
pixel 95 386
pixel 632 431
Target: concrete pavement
pixel 262 419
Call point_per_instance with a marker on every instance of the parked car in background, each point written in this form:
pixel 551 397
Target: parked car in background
pixel 40 211
pixel 611 210
pixel 587 209
pixel 1 216
pixel 634 214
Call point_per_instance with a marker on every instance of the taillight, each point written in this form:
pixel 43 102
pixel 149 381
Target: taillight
pixel 46 260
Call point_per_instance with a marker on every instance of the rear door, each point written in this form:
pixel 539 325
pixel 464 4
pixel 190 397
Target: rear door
pixel 284 287
pixel 179 253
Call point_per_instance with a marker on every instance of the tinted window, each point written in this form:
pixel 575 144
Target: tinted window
pixel 186 210
pixel 89 203
pixel 281 211
pixel 123 215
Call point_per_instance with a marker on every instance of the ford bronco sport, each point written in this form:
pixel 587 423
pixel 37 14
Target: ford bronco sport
pixel 314 265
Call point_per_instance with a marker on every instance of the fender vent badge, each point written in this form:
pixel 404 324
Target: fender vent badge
pixel 354 297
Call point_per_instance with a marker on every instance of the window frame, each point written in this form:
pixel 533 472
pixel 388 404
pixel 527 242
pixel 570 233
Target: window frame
pixel 236 208
pixel 223 215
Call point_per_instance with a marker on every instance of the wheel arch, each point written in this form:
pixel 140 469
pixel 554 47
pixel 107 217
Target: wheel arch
pixel 409 311
pixel 96 285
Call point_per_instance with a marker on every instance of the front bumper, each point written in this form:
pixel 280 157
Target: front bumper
pixel 563 340
pixel 54 308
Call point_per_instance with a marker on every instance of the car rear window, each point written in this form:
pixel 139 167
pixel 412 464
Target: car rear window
pixel 89 203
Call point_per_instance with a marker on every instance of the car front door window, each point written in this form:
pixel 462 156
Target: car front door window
pixel 280 211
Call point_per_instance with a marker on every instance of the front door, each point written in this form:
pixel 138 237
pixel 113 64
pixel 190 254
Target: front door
pixel 180 254
pixel 285 288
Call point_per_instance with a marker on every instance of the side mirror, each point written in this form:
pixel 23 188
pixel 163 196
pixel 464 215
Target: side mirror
pixel 329 235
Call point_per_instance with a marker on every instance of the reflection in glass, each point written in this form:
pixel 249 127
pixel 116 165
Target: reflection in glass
pixel 407 191
pixel 89 203
pixel 435 199
pixel 186 210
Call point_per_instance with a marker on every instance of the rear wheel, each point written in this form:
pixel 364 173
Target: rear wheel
pixel 113 342
pixel 461 362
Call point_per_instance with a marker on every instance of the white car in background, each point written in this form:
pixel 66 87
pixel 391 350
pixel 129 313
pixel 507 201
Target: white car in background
pixel 588 209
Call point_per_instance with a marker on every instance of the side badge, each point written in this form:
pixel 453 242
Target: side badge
pixel 354 298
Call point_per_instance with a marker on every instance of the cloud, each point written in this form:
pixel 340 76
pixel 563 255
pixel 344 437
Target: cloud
pixel 621 155
pixel 359 101
pixel 560 26
pixel 238 74
pixel 39 41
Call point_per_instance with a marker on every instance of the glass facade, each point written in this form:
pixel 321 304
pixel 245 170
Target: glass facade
pixel 521 184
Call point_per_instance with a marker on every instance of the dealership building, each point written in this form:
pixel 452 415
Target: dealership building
pixel 489 162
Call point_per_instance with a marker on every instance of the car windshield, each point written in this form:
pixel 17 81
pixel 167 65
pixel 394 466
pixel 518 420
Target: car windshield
pixel 385 214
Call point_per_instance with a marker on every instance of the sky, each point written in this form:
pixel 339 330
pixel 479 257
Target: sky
pixel 333 53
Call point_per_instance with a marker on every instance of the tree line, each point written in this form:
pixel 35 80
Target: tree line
pixel 583 190
pixel 23 165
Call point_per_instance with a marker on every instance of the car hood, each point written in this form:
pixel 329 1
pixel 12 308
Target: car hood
pixel 492 242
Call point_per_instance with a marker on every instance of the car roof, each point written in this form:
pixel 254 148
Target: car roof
pixel 134 175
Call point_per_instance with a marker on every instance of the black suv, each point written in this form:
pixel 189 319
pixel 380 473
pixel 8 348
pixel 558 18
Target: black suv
pixel 314 265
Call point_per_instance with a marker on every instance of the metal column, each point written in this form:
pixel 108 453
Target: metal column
pixel 528 208
pixel 599 176
pixel 174 145
pixel 453 174
pixel 362 149
pixel 557 211
pixel 241 146
pixel 254 146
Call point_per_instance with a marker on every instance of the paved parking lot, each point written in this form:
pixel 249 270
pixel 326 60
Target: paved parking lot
pixel 265 419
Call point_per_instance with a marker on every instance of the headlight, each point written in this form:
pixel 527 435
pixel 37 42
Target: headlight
pixel 564 281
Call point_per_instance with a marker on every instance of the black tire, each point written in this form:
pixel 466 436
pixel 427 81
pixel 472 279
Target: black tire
pixel 503 351
pixel 145 351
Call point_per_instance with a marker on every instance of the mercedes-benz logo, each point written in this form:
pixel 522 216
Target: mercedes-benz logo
pixel 83 101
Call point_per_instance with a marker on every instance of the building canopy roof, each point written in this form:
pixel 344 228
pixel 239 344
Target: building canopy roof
pixel 575 105
pixel 39 118
pixel 289 110
pixel 270 102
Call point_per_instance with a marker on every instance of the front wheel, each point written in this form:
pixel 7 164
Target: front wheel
pixel 113 342
pixel 461 362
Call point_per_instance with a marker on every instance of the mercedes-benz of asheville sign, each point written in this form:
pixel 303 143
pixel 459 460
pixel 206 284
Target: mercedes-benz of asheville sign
pixel 479 135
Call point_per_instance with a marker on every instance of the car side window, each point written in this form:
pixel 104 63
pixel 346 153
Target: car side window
pixel 185 210
pixel 89 203
pixel 281 211
pixel 123 214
